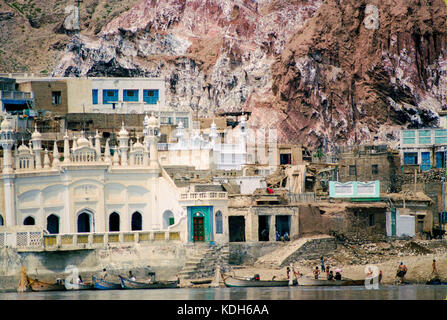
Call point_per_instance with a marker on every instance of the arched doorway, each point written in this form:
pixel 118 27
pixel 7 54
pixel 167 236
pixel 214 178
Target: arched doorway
pixel 1 220
pixel 168 219
pixel 53 224
pixel 84 222
pixel 137 221
pixel 114 222
pixel 29 221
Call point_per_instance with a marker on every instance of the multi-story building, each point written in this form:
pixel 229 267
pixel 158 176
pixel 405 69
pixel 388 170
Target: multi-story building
pixel 368 163
pixel 424 147
pixel 12 99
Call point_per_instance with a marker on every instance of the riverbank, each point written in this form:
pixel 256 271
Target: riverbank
pixel 352 259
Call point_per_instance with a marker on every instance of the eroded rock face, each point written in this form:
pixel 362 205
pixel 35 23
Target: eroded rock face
pixel 352 82
pixel 322 73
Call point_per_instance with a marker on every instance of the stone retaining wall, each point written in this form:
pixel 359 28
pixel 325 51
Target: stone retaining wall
pixel 166 259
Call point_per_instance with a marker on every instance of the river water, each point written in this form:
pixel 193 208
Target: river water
pixel 406 292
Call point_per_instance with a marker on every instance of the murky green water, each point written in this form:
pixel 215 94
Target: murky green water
pixel 407 292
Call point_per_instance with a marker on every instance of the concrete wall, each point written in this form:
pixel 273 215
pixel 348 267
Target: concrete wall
pixel 42 95
pixel 163 258
pixel 79 92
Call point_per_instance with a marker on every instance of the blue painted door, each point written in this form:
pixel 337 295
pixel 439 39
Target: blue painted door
pixel 425 161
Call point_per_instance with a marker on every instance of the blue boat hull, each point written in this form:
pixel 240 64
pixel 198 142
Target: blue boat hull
pixel 105 285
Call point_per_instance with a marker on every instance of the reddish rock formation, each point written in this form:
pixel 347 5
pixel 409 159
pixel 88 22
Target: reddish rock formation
pixel 327 72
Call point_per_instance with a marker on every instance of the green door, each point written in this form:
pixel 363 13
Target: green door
pixel 200 223
pixel 198 229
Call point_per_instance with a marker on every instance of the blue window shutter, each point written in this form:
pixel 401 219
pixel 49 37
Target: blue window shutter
pixel 95 96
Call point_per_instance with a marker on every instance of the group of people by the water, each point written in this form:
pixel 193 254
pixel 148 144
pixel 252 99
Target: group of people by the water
pixel 103 275
pixel 327 269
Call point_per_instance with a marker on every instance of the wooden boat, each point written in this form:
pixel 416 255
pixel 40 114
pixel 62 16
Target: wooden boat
pixel 233 281
pixel 101 284
pixel 201 281
pixel 129 284
pixel 78 286
pixel 435 282
pixel 39 286
pixel 304 281
pixel 27 284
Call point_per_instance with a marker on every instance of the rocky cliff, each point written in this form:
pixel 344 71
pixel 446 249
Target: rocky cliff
pixel 321 72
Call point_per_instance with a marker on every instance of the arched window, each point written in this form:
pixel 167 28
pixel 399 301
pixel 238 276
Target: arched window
pixel 1 220
pixel 168 219
pixel 114 222
pixel 137 221
pixel 53 224
pixel 219 224
pixel 84 222
pixel 29 221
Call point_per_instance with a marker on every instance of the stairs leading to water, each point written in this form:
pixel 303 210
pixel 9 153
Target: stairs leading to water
pixel 305 247
pixel 201 260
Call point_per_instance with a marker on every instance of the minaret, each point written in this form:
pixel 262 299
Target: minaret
pixel 116 159
pixel 124 145
pixel 46 160
pixel 107 158
pixel 98 146
pixel 36 139
pixel 7 141
pixel 152 131
pixel 213 134
pixel 66 148
pixel 55 155
pixel 180 134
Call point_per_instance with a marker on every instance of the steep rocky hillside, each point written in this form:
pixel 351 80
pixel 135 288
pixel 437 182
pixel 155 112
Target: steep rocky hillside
pixel 322 72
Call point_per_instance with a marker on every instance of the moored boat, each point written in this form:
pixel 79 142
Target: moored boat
pixel 304 281
pixel 233 281
pixel 129 284
pixel 102 284
pixel 27 284
pixel 39 286
pixel 78 286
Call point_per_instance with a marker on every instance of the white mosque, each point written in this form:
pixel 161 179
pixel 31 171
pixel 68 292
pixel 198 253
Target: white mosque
pixel 82 189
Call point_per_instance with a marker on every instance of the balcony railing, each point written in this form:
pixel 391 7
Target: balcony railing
pixel 204 196
pixel 39 241
pixel 15 95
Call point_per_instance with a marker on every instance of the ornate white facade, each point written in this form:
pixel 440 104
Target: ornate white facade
pixel 81 189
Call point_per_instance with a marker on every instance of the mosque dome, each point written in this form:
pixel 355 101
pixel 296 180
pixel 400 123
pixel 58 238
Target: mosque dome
pixel 36 134
pixel 123 131
pixel 6 124
pixel 153 121
pixel 82 141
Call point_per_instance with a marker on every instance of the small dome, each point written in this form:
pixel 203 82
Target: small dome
pixel 138 145
pixel 36 134
pixel 123 131
pixel 23 148
pixel 153 121
pixel 6 124
pixel 82 141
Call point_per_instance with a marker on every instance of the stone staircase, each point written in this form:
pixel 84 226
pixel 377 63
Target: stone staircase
pixel 201 260
pixel 302 248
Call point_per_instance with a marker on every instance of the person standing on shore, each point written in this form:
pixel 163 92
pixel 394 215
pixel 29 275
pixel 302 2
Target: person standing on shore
pixel 316 273
pixel 322 264
pixel 327 272
pixel 401 272
pixel 434 269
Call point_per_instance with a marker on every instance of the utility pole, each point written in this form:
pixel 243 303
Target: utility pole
pixel 79 36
